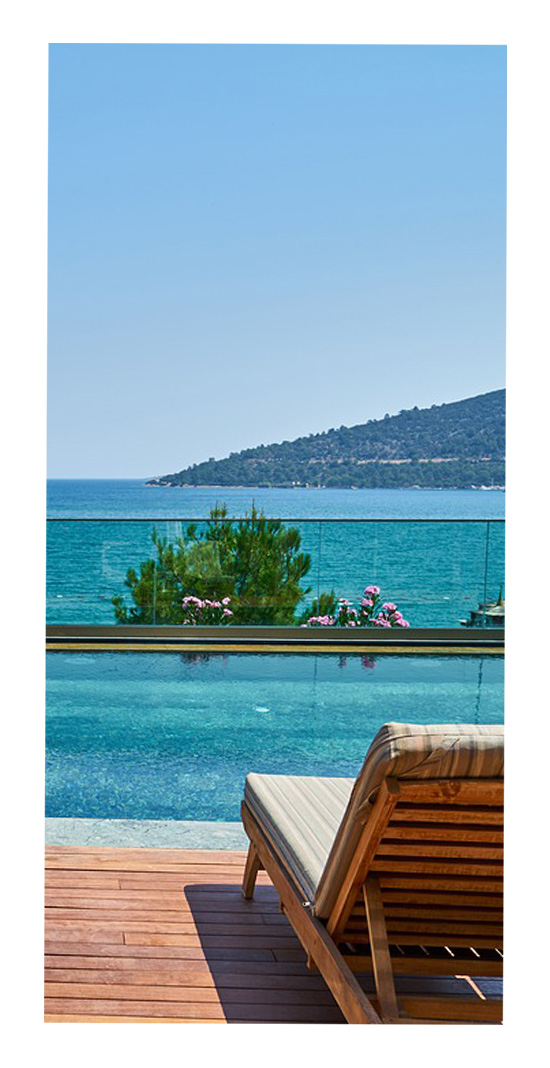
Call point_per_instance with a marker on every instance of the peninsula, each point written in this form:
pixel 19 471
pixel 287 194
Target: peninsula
pixel 460 445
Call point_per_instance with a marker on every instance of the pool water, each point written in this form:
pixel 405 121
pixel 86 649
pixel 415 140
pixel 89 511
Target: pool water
pixel 172 736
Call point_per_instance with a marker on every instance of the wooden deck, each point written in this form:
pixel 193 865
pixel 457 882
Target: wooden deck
pixel 165 936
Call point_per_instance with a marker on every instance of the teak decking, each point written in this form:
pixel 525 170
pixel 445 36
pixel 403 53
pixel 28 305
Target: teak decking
pixel 165 936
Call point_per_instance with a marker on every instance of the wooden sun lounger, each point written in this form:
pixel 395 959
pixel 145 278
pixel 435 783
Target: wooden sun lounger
pixel 420 894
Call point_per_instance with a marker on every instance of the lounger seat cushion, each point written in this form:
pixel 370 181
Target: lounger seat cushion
pixel 301 815
pixel 408 751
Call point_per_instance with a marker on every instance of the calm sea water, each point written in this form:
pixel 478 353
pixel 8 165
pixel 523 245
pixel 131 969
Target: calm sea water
pixel 435 572
pixel 169 736
pixel 130 498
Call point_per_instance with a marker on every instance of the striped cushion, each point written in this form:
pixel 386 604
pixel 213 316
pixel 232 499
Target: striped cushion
pixel 301 814
pixel 408 751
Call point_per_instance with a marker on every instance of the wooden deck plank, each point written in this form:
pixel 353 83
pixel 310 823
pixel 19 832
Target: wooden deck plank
pixel 192 856
pixel 220 941
pixel 184 919
pixel 81 879
pixel 245 1013
pixel 165 881
pixel 185 994
pixel 82 1018
pixel 165 936
pixel 67 897
pixel 87 932
pixel 131 864
pixel 77 879
pixel 160 977
pixel 135 910
pixel 168 951
pixel 173 965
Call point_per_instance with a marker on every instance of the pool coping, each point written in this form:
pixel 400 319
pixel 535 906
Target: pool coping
pixel 151 834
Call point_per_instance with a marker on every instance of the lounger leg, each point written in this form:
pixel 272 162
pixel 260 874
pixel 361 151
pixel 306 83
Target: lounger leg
pixel 380 950
pixel 251 870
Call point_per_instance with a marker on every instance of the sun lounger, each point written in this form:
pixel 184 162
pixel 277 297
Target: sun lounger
pixel 396 873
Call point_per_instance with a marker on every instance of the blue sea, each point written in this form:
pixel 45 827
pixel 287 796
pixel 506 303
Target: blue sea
pixel 436 568
pixel 131 498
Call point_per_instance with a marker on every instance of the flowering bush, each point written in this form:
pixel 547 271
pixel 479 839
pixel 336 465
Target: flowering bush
pixel 201 612
pixel 370 613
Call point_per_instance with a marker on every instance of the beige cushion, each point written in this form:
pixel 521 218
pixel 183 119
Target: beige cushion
pixel 408 751
pixel 301 815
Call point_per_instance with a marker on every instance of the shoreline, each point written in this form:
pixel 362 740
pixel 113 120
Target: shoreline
pixel 246 486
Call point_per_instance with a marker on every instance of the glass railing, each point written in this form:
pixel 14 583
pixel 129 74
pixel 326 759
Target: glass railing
pixel 439 573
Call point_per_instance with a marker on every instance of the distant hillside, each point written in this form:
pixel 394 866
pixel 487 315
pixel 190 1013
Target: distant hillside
pixel 456 445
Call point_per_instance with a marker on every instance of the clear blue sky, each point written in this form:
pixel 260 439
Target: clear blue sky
pixel 251 243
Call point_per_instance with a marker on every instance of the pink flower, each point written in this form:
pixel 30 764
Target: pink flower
pixel 389 607
pixel 226 600
pixel 227 612
pixel 375 590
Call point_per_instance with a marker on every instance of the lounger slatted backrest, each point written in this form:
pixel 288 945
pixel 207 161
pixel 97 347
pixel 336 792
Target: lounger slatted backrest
pixel 406 755
pixel 439 867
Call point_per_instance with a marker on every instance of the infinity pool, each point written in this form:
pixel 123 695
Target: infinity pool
pixel 150 736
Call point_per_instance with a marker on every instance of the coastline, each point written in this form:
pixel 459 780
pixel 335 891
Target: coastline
pixel 283 486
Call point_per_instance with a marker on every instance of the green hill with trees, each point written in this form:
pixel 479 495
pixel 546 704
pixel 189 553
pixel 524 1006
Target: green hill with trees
pixel 455 445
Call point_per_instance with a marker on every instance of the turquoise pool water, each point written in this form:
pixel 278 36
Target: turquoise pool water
pixel 172 736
